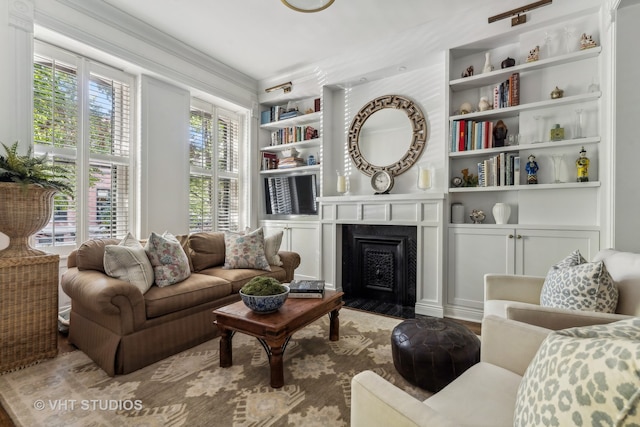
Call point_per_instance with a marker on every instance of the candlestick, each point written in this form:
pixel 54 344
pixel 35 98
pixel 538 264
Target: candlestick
pixel 424 177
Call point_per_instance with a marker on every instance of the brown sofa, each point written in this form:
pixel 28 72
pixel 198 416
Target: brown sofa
pixel 123 330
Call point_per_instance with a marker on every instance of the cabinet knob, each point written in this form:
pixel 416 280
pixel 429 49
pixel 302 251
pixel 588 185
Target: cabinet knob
pixel 511 236
pixel 519 236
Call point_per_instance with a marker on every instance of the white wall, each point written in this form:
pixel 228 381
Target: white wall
pixel 627 140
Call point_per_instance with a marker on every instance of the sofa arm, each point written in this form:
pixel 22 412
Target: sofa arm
pixel 376 402
pixel 290 261
pixel 116 303
pixel 513 288
pixel 559 318
pixel 510 344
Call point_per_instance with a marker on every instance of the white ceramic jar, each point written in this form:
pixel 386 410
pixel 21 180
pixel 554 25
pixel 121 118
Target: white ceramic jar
pixel 501 213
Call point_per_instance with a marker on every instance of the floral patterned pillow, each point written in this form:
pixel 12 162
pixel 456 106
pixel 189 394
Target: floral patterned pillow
pixel 168 258
pixel 245 250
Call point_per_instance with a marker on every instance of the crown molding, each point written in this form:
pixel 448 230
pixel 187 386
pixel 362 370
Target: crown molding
pixel 21 14
pixel 145 33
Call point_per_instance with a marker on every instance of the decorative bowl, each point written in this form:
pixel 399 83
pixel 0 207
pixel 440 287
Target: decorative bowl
pixel 265 303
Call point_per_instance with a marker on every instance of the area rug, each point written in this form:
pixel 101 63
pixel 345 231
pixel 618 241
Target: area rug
pixel 190 389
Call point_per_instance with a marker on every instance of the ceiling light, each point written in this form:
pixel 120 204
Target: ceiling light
pixel 307 6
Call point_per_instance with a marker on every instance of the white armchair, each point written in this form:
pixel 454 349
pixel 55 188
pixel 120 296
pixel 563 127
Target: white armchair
pixel 484 395
pixel 518 297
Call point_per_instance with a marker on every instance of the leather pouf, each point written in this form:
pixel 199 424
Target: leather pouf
pixel 430 352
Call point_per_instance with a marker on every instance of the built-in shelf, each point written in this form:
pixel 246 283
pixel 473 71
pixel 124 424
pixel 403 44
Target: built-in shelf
pixel 309 143
pixel 303 119
pixel 485 79
pixel 502 113
pixel 526 187
pixel 290 171
pixel 531 146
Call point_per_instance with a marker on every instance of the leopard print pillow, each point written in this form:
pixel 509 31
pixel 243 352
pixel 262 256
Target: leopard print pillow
pixel 576 284
pixel 583 376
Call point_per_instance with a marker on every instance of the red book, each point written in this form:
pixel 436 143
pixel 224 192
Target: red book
pixel 461 135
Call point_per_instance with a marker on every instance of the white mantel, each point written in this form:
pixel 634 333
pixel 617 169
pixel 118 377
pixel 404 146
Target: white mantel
pixel 422 210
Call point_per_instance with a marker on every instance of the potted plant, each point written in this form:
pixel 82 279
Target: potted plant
pixel 264 294
pixel 27 186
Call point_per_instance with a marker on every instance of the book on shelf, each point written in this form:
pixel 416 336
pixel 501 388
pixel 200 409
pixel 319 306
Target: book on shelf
pixel 306 288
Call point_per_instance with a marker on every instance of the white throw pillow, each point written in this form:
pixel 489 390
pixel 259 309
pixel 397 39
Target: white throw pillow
pixel 272 246
pixel 128 261
pixel 576 284
pixel 583 376
pixel 168 258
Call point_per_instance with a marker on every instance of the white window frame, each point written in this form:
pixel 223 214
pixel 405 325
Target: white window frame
pixel 81 154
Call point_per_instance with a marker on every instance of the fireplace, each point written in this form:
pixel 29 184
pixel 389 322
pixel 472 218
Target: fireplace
pixel 379 268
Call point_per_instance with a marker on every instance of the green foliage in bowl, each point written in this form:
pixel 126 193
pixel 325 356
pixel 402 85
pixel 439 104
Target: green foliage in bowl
pixel 261 286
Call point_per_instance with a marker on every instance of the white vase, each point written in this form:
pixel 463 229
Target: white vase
pixel 501 213
pixel 487 63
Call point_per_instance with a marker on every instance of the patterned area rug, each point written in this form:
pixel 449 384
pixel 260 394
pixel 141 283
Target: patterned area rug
pixel 190 389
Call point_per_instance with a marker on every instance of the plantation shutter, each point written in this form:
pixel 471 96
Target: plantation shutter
pixel 228 160
pixel 98 152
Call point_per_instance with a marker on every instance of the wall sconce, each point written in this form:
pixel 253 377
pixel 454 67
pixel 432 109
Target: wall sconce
pixel 286 87
pixel 518 14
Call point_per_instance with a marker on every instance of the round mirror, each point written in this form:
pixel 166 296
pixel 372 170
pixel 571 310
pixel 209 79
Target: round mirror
pixel 379 130
pixel 388 133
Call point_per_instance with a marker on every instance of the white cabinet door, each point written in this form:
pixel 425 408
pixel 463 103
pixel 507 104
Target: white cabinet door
pixel 304 239
pixel 301 237
pixel 472 254
pixel 537 250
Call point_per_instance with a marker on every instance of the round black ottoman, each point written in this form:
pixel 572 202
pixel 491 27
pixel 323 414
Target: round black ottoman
pixel 430 352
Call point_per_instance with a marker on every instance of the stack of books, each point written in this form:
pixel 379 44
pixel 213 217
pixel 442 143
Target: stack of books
pixel 291 162
pixel 306 289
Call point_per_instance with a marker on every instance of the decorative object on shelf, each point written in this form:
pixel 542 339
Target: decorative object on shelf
pixel 501 213
pixel 582 166
pixel 534 54
pixel 311 160
pixel 570 41
pixel 466 108
pixel 306 6
pixel 290 152
pixel 358 143
pixel 509 62
pixel 513 139
pixel 477 216
pixel 342 185
pixel 457 213
pixel 587 42
pixel 557 93
pixel 487 63
pixel 557 163
pixel 424 177
pixel 456 181
pixel 578 129
pixel 551 43
pixel 532 170
pixel 468 72
pixel 469 179
pixel 556 133
pixel 382 182
pixel 499 133
pixel 537 132
pixel 484 104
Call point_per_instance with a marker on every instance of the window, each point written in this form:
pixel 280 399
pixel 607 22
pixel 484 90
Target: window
pixel 82 119
pixel 214 202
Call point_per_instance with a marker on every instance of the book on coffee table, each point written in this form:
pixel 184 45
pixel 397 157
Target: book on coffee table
pixel 306 289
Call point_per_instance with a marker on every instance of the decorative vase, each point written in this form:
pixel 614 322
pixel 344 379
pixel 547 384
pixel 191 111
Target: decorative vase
pixel 24 210
pixel 487 63
pixel 501 213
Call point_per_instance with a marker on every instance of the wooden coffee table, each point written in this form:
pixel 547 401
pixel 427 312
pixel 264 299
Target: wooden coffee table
pixel 274 330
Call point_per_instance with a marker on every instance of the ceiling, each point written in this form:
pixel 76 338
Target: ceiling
pixel 264 38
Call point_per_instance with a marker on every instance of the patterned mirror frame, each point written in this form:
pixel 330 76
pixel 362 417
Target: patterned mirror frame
pixel 418 140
